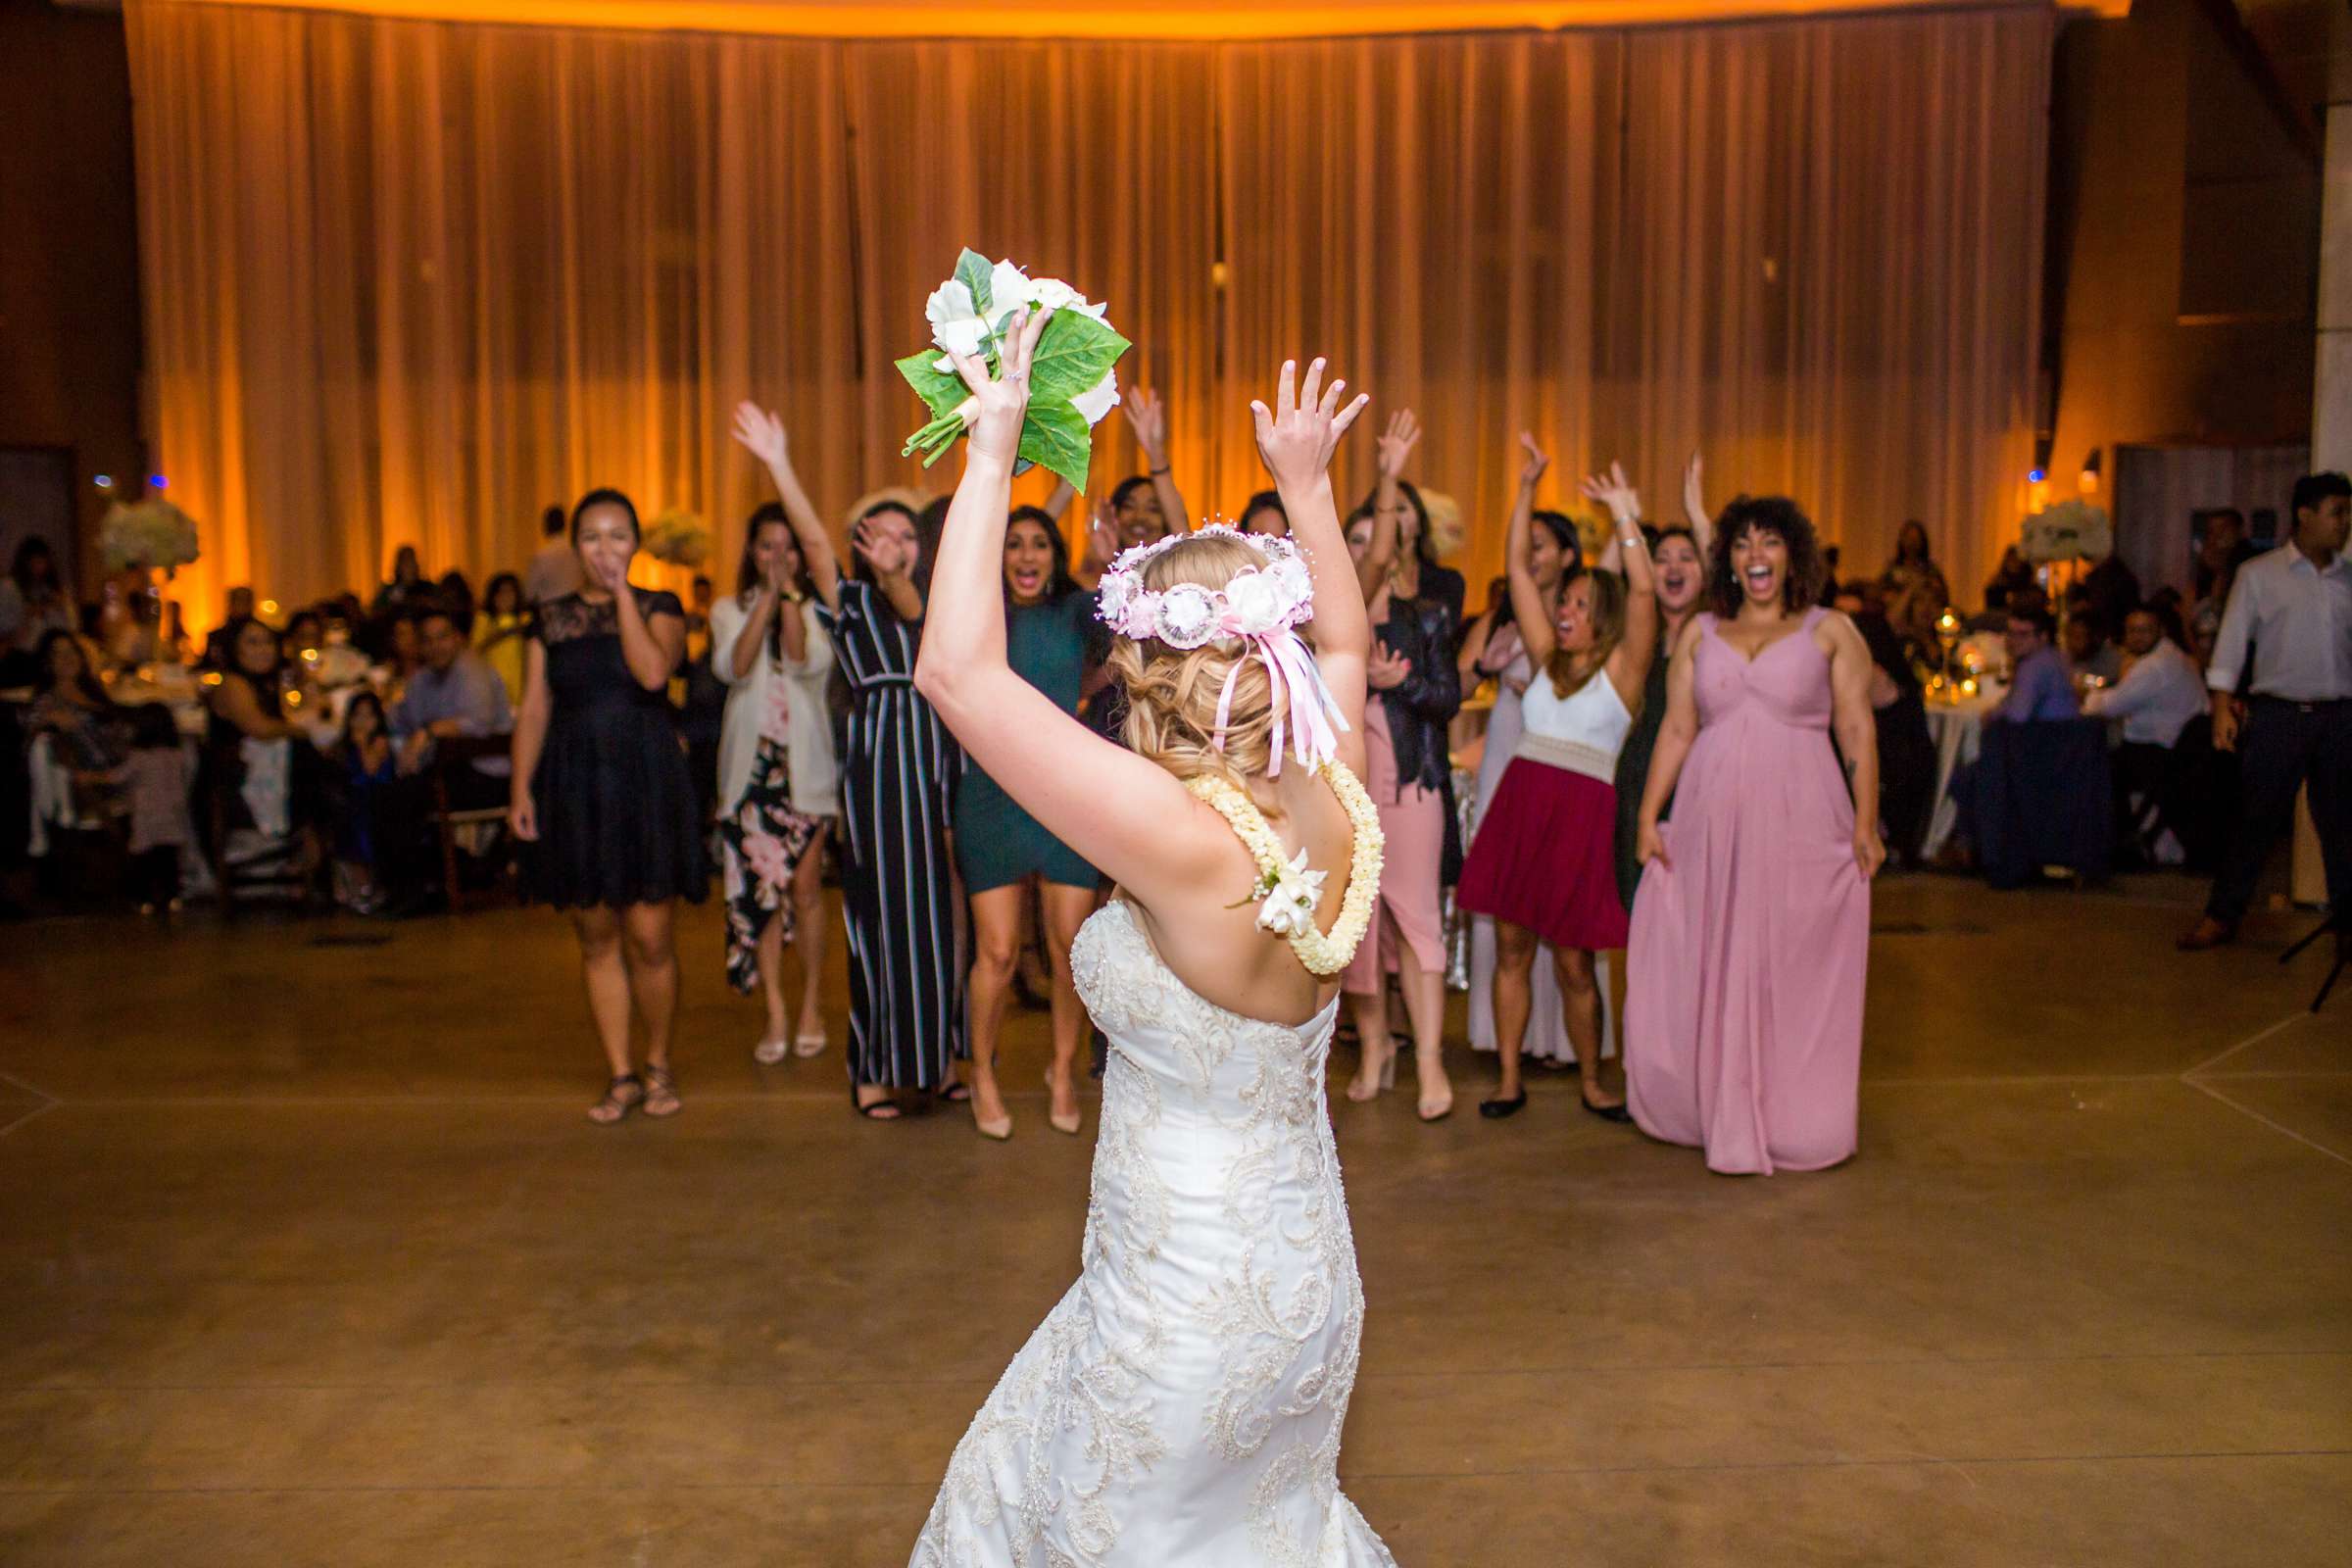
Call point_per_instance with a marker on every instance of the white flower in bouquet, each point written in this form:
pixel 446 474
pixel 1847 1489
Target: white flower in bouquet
pixel 1288 896
pixel 678 538
pixel 2070 530
pixel 151 533
pixel 1073 380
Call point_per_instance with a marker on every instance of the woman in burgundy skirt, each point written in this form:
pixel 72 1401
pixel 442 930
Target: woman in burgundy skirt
pixel 1544 863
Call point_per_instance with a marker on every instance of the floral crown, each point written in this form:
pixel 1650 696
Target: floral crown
pixel 1256 601
pixel 1263 606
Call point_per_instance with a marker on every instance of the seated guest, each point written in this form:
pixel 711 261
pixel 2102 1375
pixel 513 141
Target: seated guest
pixel 2087 652
pixel 455 594
pixel 2111 589
pixel 216 642
pixel 80 736
pixel 304 632
pixel 266 773
pixel 408 589
pixel 365 778
pixel 2157 695
pixel 2014 576
pixel 452 694
pixel 2038 689
pixel 501 629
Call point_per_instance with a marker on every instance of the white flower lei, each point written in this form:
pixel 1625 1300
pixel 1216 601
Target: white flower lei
pixel 1283 881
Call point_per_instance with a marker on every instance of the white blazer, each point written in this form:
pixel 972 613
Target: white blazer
pixel 816 776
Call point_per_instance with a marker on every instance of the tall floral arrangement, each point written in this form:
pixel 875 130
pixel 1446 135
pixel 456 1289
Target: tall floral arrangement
pixel 678 538
pixel 152 534
pixel 2070 530
pixel 1072 381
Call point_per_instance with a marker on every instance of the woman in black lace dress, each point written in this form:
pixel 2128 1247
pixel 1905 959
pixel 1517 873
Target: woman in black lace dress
pixel 603 797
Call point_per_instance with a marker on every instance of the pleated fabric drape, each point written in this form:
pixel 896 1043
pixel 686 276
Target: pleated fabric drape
pixel 408 282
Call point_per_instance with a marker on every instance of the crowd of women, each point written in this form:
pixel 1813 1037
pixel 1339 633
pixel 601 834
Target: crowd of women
pixel 1659 781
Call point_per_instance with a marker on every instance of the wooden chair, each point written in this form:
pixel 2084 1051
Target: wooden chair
pixel 452 771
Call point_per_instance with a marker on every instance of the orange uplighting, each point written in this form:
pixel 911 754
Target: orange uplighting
pixel 1194 20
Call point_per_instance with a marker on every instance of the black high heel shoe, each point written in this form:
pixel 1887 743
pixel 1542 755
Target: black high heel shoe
pixel 1604 1112
pixel 1497 1110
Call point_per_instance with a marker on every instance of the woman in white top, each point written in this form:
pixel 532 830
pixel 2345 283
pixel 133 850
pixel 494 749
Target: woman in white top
pixel 778 787
pixel 1493 647
pixel 1544 861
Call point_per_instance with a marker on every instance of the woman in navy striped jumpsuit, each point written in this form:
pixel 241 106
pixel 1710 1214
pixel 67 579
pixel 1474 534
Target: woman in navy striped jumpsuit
pixel 898 783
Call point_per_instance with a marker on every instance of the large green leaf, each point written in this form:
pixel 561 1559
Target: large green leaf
pixel 1055 436
pixel 941 389
pixel 1072 358
pixel 972 271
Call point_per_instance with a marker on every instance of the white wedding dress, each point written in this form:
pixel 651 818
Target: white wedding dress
pixel 1182 1404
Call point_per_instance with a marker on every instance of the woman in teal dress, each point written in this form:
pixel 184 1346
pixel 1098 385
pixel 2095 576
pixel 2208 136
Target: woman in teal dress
pixel 1051 633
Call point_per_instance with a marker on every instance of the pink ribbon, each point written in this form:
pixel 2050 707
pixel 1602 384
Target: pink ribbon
pixel 1292 671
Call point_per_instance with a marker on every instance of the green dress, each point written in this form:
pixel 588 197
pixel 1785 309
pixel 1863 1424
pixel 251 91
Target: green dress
pixel 996 843
pixel 1633 773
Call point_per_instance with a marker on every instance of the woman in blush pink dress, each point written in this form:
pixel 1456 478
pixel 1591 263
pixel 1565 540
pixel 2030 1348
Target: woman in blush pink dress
pixel 1751 930
pixel 1416 691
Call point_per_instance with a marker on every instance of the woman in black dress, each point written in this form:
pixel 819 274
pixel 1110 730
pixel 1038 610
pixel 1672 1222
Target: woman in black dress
pixel 603 797
pixel 897 788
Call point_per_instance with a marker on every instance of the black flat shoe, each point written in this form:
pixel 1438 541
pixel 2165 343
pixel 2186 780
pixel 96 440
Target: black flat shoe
pixel 1497 1110
pixel 1604 1112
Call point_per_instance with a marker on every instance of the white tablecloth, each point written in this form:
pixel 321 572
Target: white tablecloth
pixel 1958 729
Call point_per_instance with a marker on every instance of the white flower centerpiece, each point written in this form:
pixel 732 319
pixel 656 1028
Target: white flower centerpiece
pixel 2070 530
pixel 1072 384
pixel 152 533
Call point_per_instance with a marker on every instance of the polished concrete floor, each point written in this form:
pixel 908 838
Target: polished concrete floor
pixel 307 1255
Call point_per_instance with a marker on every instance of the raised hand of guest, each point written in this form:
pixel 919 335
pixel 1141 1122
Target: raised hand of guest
pixel 1694 500
pixel 1396 445
pixel 1001 402
pixel 1148 420
pixel 888 556
pixel 1531 470
pixel 762 434
pixel 1615 492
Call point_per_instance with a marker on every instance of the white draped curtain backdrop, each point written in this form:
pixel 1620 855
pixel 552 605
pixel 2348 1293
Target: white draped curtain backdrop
pixel 408 282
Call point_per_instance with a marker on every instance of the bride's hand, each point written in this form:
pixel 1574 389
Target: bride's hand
pixel 1297 437
pixel 1003 399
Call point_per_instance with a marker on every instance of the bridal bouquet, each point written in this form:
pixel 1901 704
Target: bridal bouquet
pixel 1072 380
pixel 2070 530
pixel 146 533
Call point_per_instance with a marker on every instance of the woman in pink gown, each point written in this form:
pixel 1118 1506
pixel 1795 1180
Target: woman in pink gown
pixel 1751 930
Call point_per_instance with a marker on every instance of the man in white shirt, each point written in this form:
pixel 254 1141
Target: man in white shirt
pixel 2158 694
pixel 2291 611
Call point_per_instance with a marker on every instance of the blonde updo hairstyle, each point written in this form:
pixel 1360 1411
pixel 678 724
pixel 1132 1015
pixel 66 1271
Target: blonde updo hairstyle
pixel 1172 693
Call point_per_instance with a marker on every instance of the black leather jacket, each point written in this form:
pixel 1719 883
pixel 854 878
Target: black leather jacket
pixel 1426 631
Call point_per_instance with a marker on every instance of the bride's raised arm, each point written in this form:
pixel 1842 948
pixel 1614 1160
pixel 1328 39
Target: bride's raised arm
pixel 1296 439
pixel 1102 800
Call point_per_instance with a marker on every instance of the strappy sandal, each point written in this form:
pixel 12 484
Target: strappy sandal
pixel 624 1093
pixel 883 1109
pixel 662 1093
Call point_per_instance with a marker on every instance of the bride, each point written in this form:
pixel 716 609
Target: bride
pixel 1182 1404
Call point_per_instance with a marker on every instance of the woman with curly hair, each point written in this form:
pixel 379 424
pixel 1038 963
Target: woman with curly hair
pixel 1751 930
